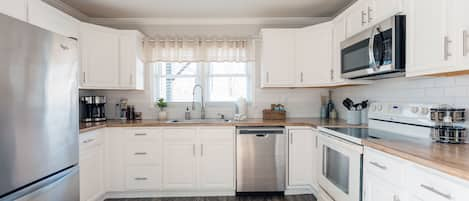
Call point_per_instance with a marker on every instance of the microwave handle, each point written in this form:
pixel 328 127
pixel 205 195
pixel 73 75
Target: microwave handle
pixel 371 48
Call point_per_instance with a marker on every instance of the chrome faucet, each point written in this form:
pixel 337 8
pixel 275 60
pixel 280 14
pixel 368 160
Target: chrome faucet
pixel 202 103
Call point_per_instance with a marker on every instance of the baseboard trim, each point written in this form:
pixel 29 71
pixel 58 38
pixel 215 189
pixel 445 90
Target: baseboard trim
pixel 301 190
pixel 156 194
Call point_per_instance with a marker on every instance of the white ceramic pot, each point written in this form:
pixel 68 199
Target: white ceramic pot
pixel 162 116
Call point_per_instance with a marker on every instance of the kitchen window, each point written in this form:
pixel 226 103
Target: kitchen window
pixel 221 81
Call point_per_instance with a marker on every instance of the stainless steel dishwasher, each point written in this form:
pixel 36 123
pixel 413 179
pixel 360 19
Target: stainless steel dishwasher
pixel 261 156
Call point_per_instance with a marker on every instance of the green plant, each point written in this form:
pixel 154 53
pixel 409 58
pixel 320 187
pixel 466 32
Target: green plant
pixel 161 104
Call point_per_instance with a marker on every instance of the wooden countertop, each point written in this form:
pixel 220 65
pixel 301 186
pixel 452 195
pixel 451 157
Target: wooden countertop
pixel 452 159
pixel 313 122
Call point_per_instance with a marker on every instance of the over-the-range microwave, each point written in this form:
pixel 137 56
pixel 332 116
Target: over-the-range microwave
pixel 376 53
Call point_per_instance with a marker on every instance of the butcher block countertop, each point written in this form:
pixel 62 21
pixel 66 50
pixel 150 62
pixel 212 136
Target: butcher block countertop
pixel 452 159
pixel 313 122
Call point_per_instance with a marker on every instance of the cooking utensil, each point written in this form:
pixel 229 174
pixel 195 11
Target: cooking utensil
pixel 348 103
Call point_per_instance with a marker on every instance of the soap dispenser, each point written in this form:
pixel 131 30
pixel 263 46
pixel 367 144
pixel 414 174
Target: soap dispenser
pixel 187 115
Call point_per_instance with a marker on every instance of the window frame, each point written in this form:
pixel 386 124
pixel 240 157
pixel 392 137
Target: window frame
pixel 202 78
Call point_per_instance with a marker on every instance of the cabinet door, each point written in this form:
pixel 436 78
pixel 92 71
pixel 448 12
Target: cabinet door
pixel 313 55
pixel 301 160
pixel 47 17
pixel 100 57
pixel 461 15
pixel 91 174
pixel 376 190
pixel 430 49
pixel 114 160
pixel 179 159
pixel 14 8
pixel 278 58
pixel 131 60
pixel 216 164
pixel 357 18
pixel 379 10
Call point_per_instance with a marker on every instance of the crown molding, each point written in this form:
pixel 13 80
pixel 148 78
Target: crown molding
pixel 210 21
pixel 68 9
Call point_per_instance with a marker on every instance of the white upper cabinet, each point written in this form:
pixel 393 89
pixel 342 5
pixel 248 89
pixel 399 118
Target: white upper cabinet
pixel 131 60
pixel 313 51
pixel 14 8
pixel 100 57
pixel 111 58
pixel 430 43
pixel 47 17
pixel 461 29
pixel 278 58
pixel 366 13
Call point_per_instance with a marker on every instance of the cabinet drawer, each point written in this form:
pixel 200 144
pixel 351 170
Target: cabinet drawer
pixel 385 166
pixel 143 177
pixel 179 135
pixel 431 185
pixel 90 139
pixel 143 153
pixel 142 134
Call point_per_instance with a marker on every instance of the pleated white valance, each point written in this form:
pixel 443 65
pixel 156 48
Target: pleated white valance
pixel 199 50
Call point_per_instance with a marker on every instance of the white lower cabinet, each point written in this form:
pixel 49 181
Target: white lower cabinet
pixel 91 166
pixel 180 160
pixel 139 162
pixel 302 158
pixel 388 178
pixel 217 159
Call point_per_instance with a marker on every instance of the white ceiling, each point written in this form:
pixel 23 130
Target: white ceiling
pixel 207 8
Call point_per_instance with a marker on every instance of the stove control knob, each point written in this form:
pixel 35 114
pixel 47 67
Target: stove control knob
pixel 373 108
pixel 424 111
pixel 380 108
pixel 415 110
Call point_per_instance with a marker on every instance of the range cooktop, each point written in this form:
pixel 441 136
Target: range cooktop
pixel 356 135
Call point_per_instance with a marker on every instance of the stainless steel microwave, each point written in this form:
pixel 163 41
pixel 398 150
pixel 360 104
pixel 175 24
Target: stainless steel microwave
pixel 376 53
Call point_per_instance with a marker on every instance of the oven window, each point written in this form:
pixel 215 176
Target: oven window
pixel 336 168
pixel 355 57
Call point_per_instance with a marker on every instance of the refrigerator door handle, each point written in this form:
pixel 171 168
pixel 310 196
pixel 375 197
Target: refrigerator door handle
pixel 43 185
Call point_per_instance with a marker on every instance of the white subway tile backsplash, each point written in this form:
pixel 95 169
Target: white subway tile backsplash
pixel 440 90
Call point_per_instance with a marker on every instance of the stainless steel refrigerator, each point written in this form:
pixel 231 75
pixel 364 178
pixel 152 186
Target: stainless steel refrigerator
pixel 38 114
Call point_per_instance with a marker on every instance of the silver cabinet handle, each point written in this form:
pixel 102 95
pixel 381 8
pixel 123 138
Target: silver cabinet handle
pixel 396 198
pixel 376 164
pixel 202 150
pixel 433 190
pixel 301 77
pixel 363 18
pixel 369 14
pixel 316 141
pixel 332 74
pixel 141 178
pixel 88 141
pixel 84 77
pixel 291 138
pixel 267 77
pixel 140 153
pixel 193 150
pixel 447 54
pixel 140 134
pixel 465 36
pixel 130 79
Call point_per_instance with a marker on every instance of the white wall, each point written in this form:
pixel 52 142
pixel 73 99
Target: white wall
pixel 442 90
pixel 298 102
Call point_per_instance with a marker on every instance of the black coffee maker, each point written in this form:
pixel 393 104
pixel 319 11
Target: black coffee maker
pixel 92 108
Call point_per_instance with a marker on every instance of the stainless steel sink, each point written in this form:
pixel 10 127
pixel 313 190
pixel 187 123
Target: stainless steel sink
pixel 200 121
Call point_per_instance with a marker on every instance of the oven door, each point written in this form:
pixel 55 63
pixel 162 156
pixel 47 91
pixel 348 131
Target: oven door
pixel 341 168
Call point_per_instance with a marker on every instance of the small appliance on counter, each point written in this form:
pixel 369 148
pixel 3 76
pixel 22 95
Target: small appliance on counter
pixel 328 110
pixel 93 108
pixel 446 129
pixel 242 110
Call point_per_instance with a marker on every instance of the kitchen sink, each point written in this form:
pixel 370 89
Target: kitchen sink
pixel 201 121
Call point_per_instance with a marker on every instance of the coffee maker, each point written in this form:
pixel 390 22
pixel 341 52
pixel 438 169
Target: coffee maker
pixel 92 108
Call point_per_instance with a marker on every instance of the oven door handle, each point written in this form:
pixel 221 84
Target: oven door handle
pixel 371 52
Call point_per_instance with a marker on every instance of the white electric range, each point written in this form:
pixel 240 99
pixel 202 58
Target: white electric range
pixel 341 149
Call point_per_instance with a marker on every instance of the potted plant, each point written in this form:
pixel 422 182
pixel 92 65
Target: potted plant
pixel 162 115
